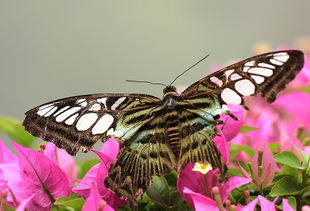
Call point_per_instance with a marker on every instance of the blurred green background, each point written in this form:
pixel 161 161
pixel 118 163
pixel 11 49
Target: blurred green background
pixel 60 48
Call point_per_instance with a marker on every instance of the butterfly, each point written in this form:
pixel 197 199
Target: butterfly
pixel 161 135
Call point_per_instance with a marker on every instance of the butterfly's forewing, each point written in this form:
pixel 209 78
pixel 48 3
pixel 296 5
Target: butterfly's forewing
pixel 266 74
pixel 81 121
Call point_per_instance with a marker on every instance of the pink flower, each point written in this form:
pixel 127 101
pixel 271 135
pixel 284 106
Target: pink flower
pixel 263 167
pixel 264 203
pixel 61 158
pixel 228 130
pixel 197 187
pixel 33 173
pixel 97 174
pixel 286 205
pixel 95 202
pixel 231 127
pixel 277 122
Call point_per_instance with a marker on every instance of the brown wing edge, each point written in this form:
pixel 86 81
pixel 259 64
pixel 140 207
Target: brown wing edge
pixel 288 72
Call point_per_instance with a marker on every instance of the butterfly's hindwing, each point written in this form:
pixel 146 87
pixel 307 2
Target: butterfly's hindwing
pixel 147 155
pixel 81 121
pixel 197 131
pixel 266 74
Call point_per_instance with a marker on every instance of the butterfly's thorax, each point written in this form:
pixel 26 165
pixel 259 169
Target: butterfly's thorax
pixel 171 118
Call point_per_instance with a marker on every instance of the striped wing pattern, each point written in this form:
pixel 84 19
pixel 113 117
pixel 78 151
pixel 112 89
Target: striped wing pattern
pixel 266 74
pixel 154 137
pixel 81 121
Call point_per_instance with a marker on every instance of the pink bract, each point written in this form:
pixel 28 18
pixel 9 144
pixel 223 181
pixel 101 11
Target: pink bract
pixel 97 174
pixel 196 187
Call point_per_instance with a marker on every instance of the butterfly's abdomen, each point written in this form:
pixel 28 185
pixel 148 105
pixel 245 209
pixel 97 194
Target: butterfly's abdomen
pixel 172 128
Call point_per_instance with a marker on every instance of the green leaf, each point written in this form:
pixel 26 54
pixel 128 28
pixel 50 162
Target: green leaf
pixel 296 173
pixel 285 186
pixel 172 178
pixel 86 165
pixel 159 191
pixel 73 201
pixel 236 148
pixel 289 159
pixel 246 128
pixel 16 131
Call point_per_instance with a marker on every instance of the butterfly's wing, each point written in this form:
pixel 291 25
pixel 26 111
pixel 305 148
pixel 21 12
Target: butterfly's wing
pixel 81 121
pixel 134 119
pixel 266 74
pixel 148 155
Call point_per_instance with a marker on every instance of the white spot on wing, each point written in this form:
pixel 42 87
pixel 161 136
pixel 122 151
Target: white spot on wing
pixel 235 76
pixel 61 110
pixel 95 107
pixel 103 100
pixel 216 81
pixel 245 69
pixel 282 57
pixel 276 62
pixel 229 96
pixel 117 103
pixel 71 120
pixel 61 117
pixel 50 111
pixel 103 124
pixel 117 133
pixel 266 65
pixel 86 121
pixel 258 79
pixel 261 71
pixel 46 106
pixel 81 102
pixel 228 73
pixel 251 63
pixel 245 87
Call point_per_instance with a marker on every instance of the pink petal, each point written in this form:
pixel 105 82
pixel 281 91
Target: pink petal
pixel 251 206
pixel 110 148
pixel 286 205
pixel 269 165
pixel 297 109
pixel 232 183
pixel 222 146
pixel 5 154
pixel 25 203
pixel 38 175
pixel 190 179
pixel 94 202
pixel 83 189
pixel 198 201
pixel 266 205
pixel 61 158
pixel 231 126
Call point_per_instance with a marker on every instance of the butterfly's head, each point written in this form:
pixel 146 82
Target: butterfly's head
pixel 170 97
pixel 169 89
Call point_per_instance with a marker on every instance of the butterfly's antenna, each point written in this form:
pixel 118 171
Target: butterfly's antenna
pixel 189 68
pixel 147 82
